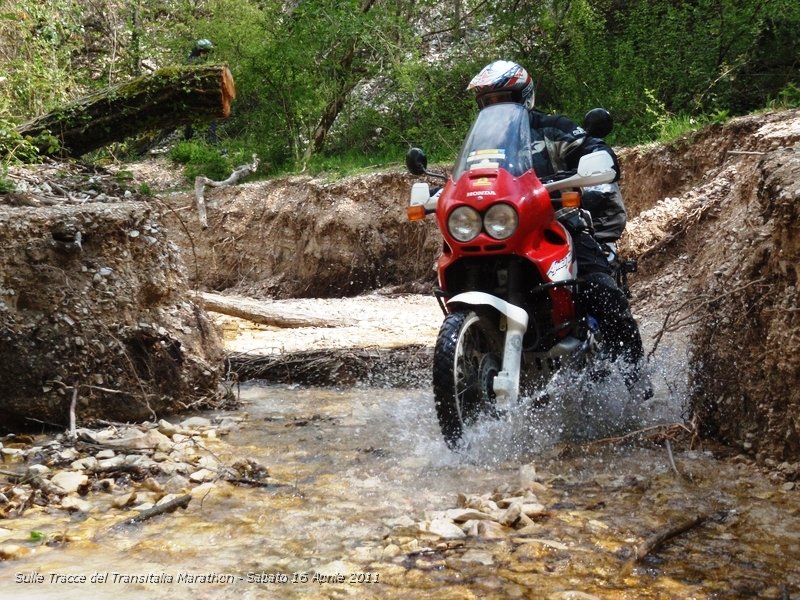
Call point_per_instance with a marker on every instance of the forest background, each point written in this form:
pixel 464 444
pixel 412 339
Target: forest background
pixel 333 85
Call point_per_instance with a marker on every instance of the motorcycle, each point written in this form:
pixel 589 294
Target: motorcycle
pixel 507 278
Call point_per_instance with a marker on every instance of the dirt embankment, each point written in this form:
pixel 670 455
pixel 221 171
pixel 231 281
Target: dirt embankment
pixel 95 311
pixel 715 224
pixel 300 237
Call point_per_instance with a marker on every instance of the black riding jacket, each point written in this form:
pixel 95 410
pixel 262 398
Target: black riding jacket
pixel 557 145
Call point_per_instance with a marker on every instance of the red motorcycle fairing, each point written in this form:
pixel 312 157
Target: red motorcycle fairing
pixel 539 237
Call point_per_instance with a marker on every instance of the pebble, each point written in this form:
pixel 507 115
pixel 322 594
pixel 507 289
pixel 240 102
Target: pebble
pixel 203 475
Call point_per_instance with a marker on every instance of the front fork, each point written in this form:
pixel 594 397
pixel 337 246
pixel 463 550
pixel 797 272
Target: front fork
pixel 506 382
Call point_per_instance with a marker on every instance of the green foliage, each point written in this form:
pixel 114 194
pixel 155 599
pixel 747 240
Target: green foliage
pixel 6 185
pixel 37 536
pixel 201 158
pixel 14 148
pixel 330 86
pixel 788 97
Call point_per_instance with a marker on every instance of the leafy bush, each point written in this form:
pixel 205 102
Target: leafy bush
pixel 16 149
pixel 200 158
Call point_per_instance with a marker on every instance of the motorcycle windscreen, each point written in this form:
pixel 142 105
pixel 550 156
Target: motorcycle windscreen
pixel 500 137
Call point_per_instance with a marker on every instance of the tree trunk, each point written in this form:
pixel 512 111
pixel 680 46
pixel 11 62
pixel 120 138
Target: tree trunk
pixel 166 98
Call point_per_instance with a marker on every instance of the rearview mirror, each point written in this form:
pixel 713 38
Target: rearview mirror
pixel 598 122
pixel 416 161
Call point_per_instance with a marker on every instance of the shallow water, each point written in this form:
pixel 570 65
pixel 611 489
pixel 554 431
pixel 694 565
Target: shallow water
pixel 349 464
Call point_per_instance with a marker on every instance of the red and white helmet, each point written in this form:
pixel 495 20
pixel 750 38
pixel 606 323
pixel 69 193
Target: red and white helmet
pixel 502 81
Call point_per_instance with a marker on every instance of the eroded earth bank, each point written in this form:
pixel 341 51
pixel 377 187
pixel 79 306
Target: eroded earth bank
pixel 316 451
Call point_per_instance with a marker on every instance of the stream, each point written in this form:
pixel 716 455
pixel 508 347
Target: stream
pixel 355 471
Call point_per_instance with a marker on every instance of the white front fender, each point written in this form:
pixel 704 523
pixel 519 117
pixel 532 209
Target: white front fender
pixel 506 382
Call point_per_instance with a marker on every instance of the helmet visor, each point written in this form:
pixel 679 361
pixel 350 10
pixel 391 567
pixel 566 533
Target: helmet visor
pixel 490 98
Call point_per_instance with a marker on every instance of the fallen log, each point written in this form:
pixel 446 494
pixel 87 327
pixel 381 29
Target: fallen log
pixel 265 312
pixel 166 98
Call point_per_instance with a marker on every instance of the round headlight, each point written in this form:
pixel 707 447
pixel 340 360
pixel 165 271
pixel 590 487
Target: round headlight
pixel 464 223
pixel 501 221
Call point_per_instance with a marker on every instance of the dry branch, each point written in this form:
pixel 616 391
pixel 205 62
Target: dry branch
pixel 164 99
pixel 398 367
pixel 201 181
pixel 655 541
pixel 160 509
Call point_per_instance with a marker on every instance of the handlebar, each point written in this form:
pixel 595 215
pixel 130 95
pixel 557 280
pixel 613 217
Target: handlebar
pixel 557 176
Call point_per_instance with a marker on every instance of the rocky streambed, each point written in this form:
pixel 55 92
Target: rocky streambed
pixel 325 492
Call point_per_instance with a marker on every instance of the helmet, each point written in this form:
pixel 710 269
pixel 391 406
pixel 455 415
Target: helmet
pixel 598 122
pixel 203 45
pixel 502 81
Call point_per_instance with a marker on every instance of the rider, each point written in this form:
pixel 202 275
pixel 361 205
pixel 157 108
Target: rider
pixel 557 145
pixel 200 52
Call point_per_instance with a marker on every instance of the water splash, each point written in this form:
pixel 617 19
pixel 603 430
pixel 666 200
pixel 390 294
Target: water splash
pixel 575 406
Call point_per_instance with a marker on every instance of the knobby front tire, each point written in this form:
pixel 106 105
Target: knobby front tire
pixel 467 356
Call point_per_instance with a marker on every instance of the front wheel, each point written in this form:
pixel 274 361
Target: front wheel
pixel 465 361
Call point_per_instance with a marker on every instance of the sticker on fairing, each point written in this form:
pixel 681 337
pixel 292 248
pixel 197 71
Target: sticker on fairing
pixel 560 269
pixel 488 154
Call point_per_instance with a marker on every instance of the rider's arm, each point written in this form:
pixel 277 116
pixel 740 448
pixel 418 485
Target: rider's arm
pixel 604 203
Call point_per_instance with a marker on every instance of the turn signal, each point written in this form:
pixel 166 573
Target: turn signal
pixel 415 212
pixel 570 199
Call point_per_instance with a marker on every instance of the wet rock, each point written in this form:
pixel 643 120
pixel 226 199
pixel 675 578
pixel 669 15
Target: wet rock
pixel 443 528
pixel 491 530
pixel 69 481
pixel 87 463
pixel 124 500
pixel 12 551
pixel 106 485
pixel 68 454
pixel 478 556
pixel 195 423
pixel 203 475
pixel 109 464
pixel 73 504
pixel 511 514
pixel 140 440
pixel 533 509
pixel 176 484
pixel 35 471
pixel 151 484
pixel 391 551
pixel 461 515
pixel 167 428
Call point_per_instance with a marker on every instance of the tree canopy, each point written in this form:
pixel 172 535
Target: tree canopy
pixel 320 80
